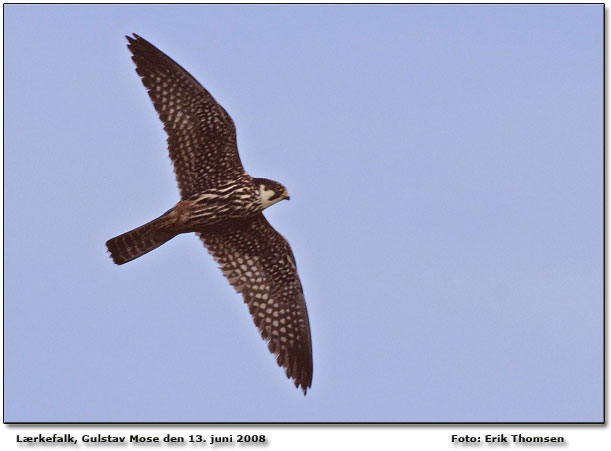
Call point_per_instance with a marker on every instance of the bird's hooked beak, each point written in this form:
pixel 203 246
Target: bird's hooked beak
pixel 285 195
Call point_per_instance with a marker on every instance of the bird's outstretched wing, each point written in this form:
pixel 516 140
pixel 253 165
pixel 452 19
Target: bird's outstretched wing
pixel 259 263
pixel 201 135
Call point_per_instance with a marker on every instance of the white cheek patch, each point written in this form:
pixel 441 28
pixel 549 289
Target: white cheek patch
pixel 265 197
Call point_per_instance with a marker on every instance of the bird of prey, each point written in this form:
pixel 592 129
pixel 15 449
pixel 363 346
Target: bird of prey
pixel 224 206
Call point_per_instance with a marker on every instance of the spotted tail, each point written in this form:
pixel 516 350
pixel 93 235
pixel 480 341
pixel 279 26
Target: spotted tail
pixel 137 242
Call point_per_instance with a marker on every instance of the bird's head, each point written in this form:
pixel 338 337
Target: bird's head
pixel 271 192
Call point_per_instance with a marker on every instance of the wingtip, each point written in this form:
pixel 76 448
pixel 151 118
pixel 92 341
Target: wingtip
pixel 300 372
pixel 134 38
pixel 303 385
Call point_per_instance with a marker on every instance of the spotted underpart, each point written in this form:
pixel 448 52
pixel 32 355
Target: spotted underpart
pixel 259 263
pixel 223 205
pixel 201 135
pixel 216 206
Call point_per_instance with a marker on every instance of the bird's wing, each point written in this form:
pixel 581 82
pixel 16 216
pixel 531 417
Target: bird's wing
pixel 201 135
pixel 259 263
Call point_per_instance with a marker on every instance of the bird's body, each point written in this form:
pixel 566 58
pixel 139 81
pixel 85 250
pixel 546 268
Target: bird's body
pixel 213 208
pixel 223 205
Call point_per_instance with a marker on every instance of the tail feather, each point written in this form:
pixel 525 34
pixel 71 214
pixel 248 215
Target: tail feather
pixel 137 242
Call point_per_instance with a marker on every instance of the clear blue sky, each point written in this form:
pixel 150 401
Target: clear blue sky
pixel 446 179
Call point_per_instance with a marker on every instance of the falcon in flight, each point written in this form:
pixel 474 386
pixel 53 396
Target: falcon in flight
pixel 224 206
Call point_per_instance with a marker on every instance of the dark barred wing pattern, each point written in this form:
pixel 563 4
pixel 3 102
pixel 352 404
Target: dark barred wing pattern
pixel 259 263
pixel 201 135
